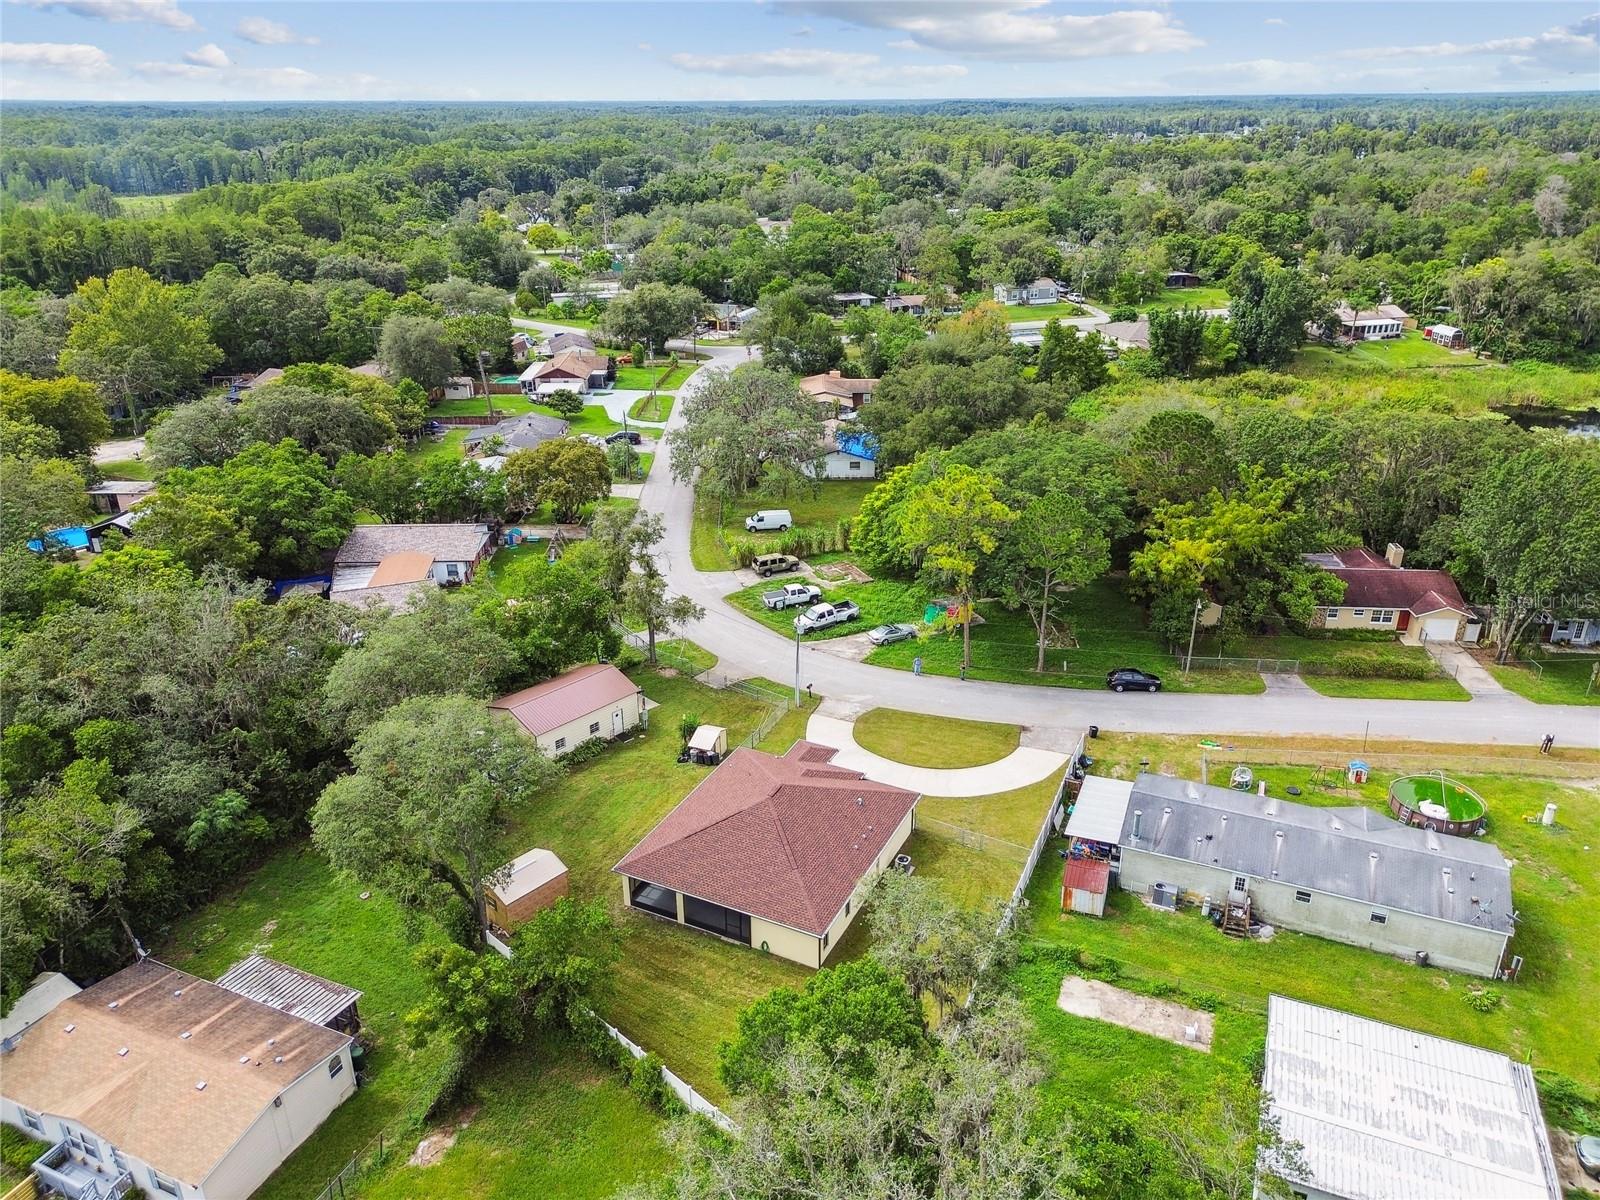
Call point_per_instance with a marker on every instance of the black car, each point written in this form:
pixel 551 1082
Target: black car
pixel 1123 678
pixel 631 436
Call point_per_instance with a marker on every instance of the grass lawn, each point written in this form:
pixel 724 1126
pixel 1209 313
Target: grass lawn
pixel 1192 297
pixel 832 502
pixel 17 1154
pixel 294 908
pixel 697 656
pixel 1553 681
pixel 127 468
pixel 1409 351
pixel 655 409
pixel 1042 312
pixel 1109 630
pixel 509 566
pixel 881 601
pixel 678 991
pixel 1442 688
pixel 446 445
pixel 542 1119
pixel 923 741
pixel 642 379
pixel 641 468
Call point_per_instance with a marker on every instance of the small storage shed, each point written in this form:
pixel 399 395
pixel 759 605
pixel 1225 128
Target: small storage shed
pixel 709 745
pixel 1084 885
pixel 537 880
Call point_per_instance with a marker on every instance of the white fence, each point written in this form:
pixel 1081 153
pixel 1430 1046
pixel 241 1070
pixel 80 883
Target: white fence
pixel 692 1100
pixel 1009 914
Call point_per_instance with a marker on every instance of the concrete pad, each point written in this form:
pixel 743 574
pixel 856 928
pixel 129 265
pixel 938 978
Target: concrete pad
pixel 1022 767
pixel 1144 1014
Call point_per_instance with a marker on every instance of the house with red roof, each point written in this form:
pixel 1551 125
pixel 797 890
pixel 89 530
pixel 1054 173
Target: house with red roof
pixel 774 852
pixel 1381 593
pixel 593 701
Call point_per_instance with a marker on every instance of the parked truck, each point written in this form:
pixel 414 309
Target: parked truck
pixel 822 616
pixel 792 595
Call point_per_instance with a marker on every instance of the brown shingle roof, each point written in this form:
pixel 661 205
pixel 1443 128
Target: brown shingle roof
pixel 577 363
pixel 576 693
pixel 785 839
pixel 145 1102
pixel 403 566
pixel 832 384
pixel 442 543
pixel 1371 582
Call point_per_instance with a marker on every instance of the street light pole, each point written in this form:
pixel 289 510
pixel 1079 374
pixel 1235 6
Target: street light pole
pixel 797 662
pixel 1194 623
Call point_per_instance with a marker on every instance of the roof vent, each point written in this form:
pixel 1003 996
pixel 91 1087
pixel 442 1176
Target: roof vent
pixel 70 1027
pixel 114 1004
pixel 272 1041
pixel 178 993
pixel 185 1035
pixel 201 1086
pixel 243 1058
pixel 123 1052
pixel 277 1058
pixel 860 802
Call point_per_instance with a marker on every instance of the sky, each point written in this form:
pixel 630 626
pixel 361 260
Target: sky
pixel 741 50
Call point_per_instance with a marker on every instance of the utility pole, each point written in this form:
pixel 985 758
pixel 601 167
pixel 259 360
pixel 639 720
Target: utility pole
pixel 483 359
pixel 797 662
pixel 1194 623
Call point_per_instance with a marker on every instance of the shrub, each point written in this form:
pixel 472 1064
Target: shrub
pixel 647 1082
pixel 1356 665
pixel 1123 312
pixel 1485 1000
pixel 628 657
pixel 585 751
pixel 1568 1103
pixel 1205 1001
pixel 801 541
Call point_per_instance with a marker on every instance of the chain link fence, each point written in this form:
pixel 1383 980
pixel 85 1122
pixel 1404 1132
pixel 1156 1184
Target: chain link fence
pixel 983 843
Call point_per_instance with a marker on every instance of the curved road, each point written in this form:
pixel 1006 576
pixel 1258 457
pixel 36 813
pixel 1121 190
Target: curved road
pixel 746 647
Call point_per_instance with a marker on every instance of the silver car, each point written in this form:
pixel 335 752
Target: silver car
pixel 884 635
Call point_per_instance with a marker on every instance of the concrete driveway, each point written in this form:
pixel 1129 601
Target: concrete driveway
pixel 1024 766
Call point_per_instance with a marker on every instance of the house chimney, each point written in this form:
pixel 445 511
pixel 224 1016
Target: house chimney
pixel 1395 555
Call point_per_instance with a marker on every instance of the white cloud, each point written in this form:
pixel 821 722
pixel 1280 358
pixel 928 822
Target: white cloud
pixel 1009 30
pixel 1251 75
pixel 1274 21
pixel 69 58
pixel 271 33
pixel 253 80
pixel 1565 49
pixel 157 12
pixel 846 66
pixel 803 31
pixel 209 55
pixel 646 47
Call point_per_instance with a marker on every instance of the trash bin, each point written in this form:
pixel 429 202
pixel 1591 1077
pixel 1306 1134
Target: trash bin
pixel 1094 731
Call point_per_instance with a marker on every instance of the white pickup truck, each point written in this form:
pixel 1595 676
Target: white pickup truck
pixel 821 616
pixel 792 595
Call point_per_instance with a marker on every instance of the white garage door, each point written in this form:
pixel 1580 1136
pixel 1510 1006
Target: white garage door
pixel 1439 629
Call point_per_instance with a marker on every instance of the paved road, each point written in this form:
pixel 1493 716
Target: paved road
pixel 746 647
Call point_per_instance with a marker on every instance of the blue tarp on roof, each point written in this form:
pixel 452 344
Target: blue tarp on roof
pixel 74 538
pixel 860 445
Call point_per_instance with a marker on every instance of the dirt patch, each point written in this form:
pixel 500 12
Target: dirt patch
pixel 431 1149
pixel 266 930
pixel 1159 1018
pixel 1572 1175
pixel 841 572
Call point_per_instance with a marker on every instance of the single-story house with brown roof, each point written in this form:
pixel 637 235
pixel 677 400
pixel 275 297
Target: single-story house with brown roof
pixel 772 852
pixel 1379 593
pixel 296 992
pixel 914 304
pixel 1130 335
pixel 838 392
pixel 593 701
pixel 387 563
pixel 155 1079
pixel 570 370
pixel 529 883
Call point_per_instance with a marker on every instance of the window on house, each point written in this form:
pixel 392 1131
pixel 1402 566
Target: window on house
pixel 119 1158
pixel 1303 897
pixel 1382 616
pixel 1358 612
pixel 594 726
pixel 32 1120
pixel 1333 613
pixel 83 1143
pixel 855 465
pixel 561 743
pixel 1380 918
pixel 1239 883
pixel 824 941
pixel 335 1066
pixel 162 1184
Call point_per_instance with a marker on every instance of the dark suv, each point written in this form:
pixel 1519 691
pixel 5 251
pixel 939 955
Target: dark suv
pixel 631 436
pixel 1124 678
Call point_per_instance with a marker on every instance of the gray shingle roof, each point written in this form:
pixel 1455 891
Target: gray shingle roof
pixel 1352 852
pixel 521 433
pixel 446 543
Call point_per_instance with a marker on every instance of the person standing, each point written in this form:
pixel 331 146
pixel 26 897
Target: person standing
pixel 1549 740
pixel 916 665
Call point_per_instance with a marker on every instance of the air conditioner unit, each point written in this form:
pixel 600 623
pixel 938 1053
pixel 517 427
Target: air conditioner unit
pixel 1164 895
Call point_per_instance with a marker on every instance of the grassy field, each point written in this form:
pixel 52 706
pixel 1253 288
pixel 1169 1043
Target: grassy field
pixel 541 1119
pixel 17 1153
pixel 642 379
pixel 1109 631
pixel 1442 688
pixel 1552 681
pixel 446 445
pixel 1193 297
pixel 127 468
pixel 924 741
pixel 1319 659
pixel 881 601
pixel 1042 312
pixel 1407 352
pixel 655 409
pixel 832 502
pixel 294 908
pixel 641 468
pixel 697 656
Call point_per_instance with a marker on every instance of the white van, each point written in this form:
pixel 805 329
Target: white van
pixel 769 518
